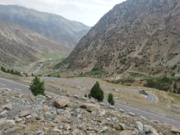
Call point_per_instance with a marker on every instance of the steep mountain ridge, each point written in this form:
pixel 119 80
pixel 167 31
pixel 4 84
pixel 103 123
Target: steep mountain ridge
pixel 49 25
pixel 18 44
pixel 141 35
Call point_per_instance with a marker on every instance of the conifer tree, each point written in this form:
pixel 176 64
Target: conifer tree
pixel 37 87
pixel 96 92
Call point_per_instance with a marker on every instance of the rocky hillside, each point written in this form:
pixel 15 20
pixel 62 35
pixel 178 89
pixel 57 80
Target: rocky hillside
pixel 51 26
pixel 139 35
pixel 18 44
pixel 25 114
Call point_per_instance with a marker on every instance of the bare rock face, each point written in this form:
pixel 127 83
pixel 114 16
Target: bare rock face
pixel 61 102
pixel 140 35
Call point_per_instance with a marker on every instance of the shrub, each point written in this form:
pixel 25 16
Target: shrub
pixel 111 99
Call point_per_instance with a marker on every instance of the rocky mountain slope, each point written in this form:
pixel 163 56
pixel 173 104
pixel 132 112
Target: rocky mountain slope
pixel 51 26
pixel 25 114
pixel 18 44
pixel 140 35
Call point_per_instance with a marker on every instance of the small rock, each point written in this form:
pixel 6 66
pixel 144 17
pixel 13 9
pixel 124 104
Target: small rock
pixel 56 130
pixel 48 116
pixel 78 110
pixel 102 113
pixel 114 119
pixel 40 132
pixel 79 116
pixel 4 113
pixel 45 108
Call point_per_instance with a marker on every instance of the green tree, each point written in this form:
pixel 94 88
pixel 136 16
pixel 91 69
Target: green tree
pixel 12 71
pixel 37 87
pixel 3 69
pixel 96 92
pixel 111 99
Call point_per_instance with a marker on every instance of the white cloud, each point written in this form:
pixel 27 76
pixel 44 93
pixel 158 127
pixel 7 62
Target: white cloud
pixel 85 11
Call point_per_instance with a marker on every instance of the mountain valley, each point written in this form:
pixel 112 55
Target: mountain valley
pixel 121 76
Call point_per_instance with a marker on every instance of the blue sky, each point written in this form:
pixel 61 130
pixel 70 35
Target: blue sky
pixel 86 11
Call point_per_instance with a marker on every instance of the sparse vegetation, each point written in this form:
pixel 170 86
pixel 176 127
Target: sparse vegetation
pixel 163 83
pixel 96 92
pixel 93 73
pixel 37 87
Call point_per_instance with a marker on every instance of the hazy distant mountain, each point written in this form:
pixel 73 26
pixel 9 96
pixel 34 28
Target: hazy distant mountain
pixel 20 45
pixel 52 26
pixel 141 35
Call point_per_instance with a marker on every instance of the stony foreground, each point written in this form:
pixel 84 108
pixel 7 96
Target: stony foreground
pixel 28 115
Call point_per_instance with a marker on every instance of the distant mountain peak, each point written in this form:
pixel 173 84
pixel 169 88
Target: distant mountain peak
pixel 52 26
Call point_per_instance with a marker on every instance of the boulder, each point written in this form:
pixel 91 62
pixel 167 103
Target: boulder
pixel 34 116
pixel 63 118
pixel 90 107
pixel 3 121
pixel 139 126
pixel 61 102
pixel 150 129
pixel 24 113
pixel 123 126
pixel 8 106
pixel 12 122
pixel 17 119
pixel 175 130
